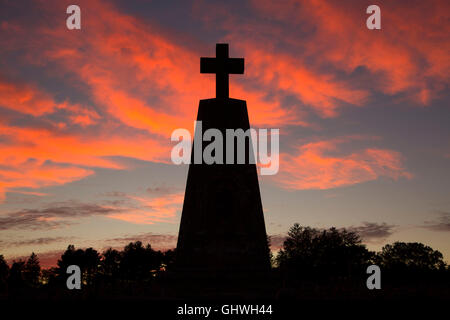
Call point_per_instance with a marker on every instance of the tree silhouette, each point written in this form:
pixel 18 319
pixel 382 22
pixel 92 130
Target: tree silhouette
pixel 49 277
pixel 16 274
pixel 412 255
pixel 88 260
pixel 32 270
pixel 168 259
pixel 110 263
pixel 312 261
pixel 91 264
pixel 269 252
pixel 4 273
pixel 321 254
pixel 139 262
pixel 408 263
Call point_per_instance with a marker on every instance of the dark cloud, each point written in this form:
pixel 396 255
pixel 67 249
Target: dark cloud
pixel 441 224
pixel 160 190
pixel 37 241
pixel 52 216
pixel 372 231
pixel 118 194
pixel 157 241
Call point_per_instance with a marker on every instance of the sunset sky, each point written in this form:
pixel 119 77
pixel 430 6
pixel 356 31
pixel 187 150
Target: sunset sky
pixel 86 117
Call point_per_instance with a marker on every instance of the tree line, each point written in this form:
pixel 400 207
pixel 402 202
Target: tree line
pixel 136 263
pixel 308 255
pixel 338 254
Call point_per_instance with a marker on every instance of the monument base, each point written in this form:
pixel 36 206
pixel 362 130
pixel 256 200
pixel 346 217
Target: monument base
pixel 222 227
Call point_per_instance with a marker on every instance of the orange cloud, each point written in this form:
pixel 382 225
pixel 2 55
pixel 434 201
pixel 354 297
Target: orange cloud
pixel 63 147
pixel 151 210
pixel 282 72
pixel 26 153
pixel 145 80
pixel 131 73
pixel 144 84
pixel 137 76
pixel 36 174
pixel 24 98
pixel 313 167
pixel 408 55
pixel 119 83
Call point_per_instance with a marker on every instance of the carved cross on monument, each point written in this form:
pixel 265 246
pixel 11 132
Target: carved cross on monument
pixel 222 66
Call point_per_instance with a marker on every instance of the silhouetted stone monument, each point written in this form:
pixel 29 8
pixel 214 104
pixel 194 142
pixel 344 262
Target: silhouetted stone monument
pixel 222 224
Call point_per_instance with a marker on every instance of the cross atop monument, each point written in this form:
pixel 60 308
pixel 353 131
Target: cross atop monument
pixel 222 66
pixel 222 232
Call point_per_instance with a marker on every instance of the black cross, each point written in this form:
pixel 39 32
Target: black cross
pixel 222 66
